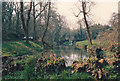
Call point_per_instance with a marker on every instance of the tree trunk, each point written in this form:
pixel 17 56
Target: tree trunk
pixel 81 35
pixel 85 19
pixel 23 22
pixel 10 14
pixel 118 29
pixel 34 34
pixel 40 19
pixel 17 23
pixel 46 23
pixel 25 25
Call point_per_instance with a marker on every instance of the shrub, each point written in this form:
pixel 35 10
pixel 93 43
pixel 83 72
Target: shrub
pixel 29 71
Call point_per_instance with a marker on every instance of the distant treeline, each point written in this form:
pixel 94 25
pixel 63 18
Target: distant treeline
pixel 46 24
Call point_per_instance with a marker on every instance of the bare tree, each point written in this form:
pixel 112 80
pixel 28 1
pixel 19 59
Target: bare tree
pixel 25 24
pixel 34 35
pixel 35 16
pixel 10 13
pixel 47 24
pixel 85 9
pixel 17 11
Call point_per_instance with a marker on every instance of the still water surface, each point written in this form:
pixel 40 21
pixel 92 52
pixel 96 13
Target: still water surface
pixel 70 54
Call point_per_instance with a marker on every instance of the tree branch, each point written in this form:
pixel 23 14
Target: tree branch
pixel 42 10
pixel 22 16
pixel 27 23
pixel 78 14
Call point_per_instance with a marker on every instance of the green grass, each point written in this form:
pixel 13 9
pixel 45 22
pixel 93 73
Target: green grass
pixel 20 75
pixel 67 74
pixel 29 73
pixel 20 48
pixel 86 42
pixel 0 78
pixel 33 49
pixel 66 43
pixel 81 44
pixel 96 43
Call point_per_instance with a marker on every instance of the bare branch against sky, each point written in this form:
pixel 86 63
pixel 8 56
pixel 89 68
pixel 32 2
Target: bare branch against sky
pixel 101 12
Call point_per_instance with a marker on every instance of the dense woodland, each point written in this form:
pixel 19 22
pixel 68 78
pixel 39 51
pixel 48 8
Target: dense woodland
pixel 43 22
pixel 29 29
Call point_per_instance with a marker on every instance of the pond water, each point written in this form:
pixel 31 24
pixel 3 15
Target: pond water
pixel 70 54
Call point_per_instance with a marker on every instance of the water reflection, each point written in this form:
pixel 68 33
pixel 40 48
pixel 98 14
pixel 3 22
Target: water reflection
pixel 69 54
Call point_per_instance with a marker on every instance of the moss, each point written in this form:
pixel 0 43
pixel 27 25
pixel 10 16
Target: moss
pixel 20 48
pixel 19 62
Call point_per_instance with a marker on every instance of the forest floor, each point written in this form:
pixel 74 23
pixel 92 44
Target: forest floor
pixel 29 61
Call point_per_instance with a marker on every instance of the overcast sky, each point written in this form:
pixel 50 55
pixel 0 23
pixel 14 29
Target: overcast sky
pixel 101 11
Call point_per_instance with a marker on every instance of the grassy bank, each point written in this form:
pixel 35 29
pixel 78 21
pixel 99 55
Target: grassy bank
pixel 20 48
pixel 28 61
pixel 103 54
pixel 82 44
pixel 109 48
